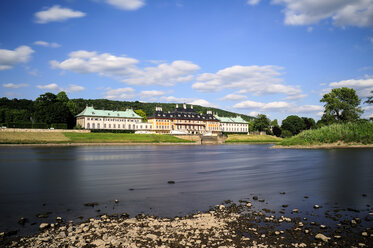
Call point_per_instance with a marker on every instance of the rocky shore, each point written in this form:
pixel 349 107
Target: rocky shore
pixel 227 225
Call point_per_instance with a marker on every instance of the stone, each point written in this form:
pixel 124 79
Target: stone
pixel 248 205
pixel 43 226
pixel 316 206
pixel 98 242
pixel 62 235
pixel 365 234
pixel 116 201
pixel 322 226
pixel 277 233
pixel 91 204
pixel 59 219
pixel 151 236
pixel 22 221
pixel 295 210
pixel 322 237
pixel 171 182
pixel 221 207
pixel 255 198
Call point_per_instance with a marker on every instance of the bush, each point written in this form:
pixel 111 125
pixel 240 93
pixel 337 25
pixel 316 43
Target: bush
pixel 40 125
pixel 59 125
pixel 18 125
pixel 286 134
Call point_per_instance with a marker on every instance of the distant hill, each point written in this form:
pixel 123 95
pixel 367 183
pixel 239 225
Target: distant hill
pixel 148 108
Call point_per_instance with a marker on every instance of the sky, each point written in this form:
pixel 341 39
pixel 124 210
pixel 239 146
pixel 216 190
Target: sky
pixel 273 57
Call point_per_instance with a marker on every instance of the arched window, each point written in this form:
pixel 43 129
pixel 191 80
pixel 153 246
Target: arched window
pixel 98 125
pixel 88 125
pixel 93 126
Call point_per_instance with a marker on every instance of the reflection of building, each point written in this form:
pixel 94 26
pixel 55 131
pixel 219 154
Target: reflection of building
pixel 183 120
pixel 91 118
pixel 233 124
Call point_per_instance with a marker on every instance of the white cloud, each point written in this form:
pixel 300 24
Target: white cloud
pixel 54 87
pixel 14 86
pixel 51 87
pixel 233 97
pixel 57 13
pixel 194 101
pixel 74 88
pixel 295 97
pixel 91 62
pixel 126 4
pixel 151 93
pixel 253 2
pixel 258 80
pixel 254 113
pixel 343 12
pixel 47 44
pixel 125 69
pixel 363 87
pixel 9 58
pixel 279 106
pixel 164 74
pixel 120 94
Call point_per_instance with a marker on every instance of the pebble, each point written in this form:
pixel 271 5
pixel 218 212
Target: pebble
pixel 316 206
pixel 295 210
pixel 43 226
pixel 322 237
pixel 248 205
pixel 365 234
pixel 116 201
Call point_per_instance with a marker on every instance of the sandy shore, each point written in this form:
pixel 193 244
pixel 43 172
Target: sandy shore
pixel 324 146
pixel 227 225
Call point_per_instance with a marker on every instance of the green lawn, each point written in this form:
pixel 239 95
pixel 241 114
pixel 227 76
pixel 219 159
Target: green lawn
pixel 233 138
pixel 122 138
pixel 348 133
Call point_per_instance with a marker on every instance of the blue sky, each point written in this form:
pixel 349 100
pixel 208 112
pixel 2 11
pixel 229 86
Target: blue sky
pixel 276 57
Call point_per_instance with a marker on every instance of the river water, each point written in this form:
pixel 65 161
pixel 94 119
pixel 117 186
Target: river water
pixel 59 180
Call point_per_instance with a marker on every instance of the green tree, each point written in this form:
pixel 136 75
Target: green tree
pixel 262 123
pixel 277 131
pixel 341 105
pixel 274 123
pixel 309 123
pixel 294 124
pixel 141 113
pixel 370 99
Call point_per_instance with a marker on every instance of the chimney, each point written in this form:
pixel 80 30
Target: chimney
pixel 209 112
pixel 158 108
pixel 184 105
pixel 191 106
pixel 177 105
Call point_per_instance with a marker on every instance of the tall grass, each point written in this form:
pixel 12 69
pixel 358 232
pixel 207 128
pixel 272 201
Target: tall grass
pixel 360 133
pixel 233 138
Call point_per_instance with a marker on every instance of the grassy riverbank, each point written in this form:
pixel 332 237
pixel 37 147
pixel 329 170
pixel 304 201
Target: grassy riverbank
pixel 61 138
pixel 238 138
pixel 336 135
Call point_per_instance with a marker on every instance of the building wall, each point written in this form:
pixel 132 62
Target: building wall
pixel 234 127
pixel 116 123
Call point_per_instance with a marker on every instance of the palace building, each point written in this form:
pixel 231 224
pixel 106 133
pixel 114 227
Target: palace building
pixel 183 121
pixel 233 124
pixel 91 118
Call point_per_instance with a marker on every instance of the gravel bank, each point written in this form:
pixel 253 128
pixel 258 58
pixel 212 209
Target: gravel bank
pixel 227 225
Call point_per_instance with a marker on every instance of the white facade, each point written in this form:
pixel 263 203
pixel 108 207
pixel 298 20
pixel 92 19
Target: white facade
pixel 233 124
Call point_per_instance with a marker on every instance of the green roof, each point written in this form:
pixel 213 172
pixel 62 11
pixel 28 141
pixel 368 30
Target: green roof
pixel 237 119
pixel 90 111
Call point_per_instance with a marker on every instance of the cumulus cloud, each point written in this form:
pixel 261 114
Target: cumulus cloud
pixel 363 87
pixel 47 44
pixel 343 12
pixel 9 58
pixel 253 2
pixel 57 13
pixel 233 97
pixel 54 87
pixel 120 94
pixel 125 69
pixel 279 106
pixel 14 86
pixel 51 87
pixel 257 80
pixel 194 101
pixel 126 4
pixel 91 62
pixel 163 74
pixel 151 94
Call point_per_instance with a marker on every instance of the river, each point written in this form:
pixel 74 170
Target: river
pixel 60 180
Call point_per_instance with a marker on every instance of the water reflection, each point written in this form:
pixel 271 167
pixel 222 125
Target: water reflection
pixel 66 177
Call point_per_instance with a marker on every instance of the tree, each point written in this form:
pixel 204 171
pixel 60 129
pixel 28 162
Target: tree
pixel 141 113
pixel 309 123
pixel 294 124
pixel 262 123
pixel 274 123
pixel 370 99
pixel 341 105
pixel 277 131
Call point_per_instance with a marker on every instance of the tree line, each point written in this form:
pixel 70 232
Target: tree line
pixel 49 110
pixel 341 105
